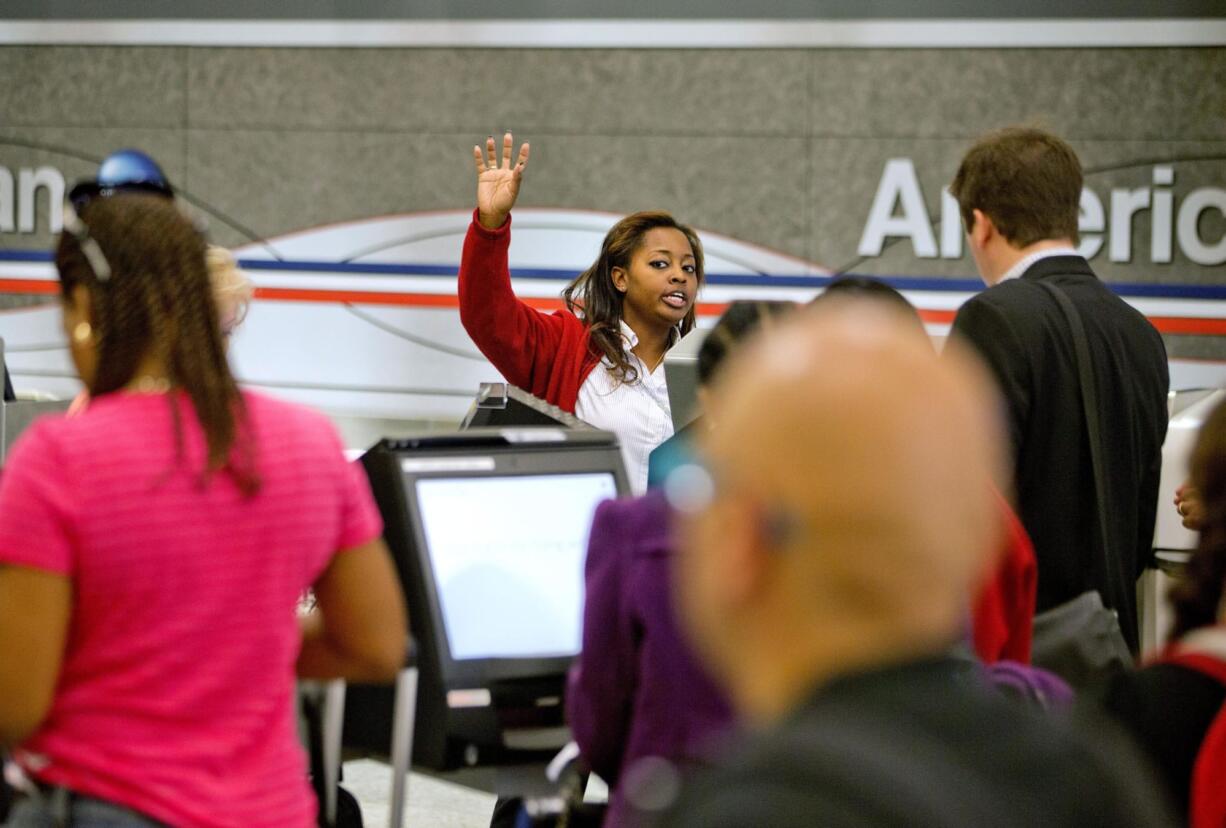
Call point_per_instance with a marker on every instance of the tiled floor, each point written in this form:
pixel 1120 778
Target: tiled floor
pixel 432 803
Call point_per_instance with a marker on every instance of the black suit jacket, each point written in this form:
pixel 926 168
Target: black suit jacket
pixel 1020 331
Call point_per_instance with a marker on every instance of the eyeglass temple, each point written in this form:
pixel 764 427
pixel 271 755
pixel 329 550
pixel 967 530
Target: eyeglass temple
pixel 93 253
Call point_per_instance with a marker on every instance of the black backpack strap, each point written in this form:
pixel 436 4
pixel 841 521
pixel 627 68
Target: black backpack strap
pixel 1109 574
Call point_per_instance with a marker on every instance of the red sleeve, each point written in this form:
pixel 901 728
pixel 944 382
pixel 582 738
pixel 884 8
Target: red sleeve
pixel 1003 615
pixel 521 342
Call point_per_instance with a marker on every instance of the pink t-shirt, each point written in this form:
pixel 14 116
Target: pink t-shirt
pixel 175 697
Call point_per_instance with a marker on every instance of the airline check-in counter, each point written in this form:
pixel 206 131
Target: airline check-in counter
pixel 1172 542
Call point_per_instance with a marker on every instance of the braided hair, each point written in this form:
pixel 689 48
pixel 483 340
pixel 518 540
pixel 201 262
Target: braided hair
pixel 158 302
pixel 743 318
pixel 1197 595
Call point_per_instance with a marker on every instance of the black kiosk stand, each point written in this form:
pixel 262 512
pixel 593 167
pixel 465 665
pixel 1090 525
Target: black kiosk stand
pixel 488 528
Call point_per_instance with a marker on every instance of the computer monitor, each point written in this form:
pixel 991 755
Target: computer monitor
pixel 681 373
pixel 489 530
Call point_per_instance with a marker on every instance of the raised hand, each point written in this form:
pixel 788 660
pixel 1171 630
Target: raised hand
pixel 497 183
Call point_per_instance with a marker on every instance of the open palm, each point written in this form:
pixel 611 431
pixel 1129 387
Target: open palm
pixel 498 183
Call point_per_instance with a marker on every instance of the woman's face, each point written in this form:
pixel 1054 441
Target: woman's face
pixel 82 340
pixel 661 282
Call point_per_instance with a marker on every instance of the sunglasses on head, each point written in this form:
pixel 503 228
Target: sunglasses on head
pixel 125 171
pixel 86 191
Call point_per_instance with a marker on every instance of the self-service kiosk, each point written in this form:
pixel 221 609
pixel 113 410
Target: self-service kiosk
pixel 489 529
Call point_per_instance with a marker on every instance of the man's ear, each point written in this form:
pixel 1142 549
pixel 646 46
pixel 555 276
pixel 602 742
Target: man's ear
pixel 749 557
pixel 983 230
pixel 621 279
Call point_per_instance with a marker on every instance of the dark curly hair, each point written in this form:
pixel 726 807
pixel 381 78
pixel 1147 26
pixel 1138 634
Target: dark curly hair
pixel 593 296
pixel 158 300
pixel 1197 594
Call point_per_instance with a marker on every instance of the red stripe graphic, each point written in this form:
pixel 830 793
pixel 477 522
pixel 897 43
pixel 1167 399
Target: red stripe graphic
pixel 1189 325
pixel 41 286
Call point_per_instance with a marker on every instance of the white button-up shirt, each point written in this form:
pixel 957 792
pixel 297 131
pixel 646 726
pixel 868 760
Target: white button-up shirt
pixel 1023 264
pixel 638 413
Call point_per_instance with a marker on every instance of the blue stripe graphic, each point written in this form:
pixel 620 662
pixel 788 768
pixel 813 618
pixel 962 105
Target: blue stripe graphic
pixel 24 256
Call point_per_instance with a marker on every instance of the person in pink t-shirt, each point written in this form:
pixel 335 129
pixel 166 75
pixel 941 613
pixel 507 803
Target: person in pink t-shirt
pixel 153 550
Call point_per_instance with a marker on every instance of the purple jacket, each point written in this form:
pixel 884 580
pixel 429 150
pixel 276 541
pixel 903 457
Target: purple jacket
pixel 636 690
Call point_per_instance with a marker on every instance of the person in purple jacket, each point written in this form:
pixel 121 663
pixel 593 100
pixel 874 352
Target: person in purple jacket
pixel 637 699
pixel 636 693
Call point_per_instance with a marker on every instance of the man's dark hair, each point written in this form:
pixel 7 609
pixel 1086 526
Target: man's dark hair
pixel 866 287
pixel 1026 180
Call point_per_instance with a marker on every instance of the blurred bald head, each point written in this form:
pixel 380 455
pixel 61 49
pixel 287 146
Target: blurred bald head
pixel 852 508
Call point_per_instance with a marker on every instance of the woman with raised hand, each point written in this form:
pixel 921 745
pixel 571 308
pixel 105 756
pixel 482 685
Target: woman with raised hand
pixel 602 357
pixel 153 550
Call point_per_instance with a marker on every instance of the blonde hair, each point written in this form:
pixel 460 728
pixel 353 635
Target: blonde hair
pixel 231 287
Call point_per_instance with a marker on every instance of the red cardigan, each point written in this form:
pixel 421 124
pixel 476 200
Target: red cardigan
pixel 545 354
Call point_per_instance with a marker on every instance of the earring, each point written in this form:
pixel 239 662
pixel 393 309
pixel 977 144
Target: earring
pixel 83 332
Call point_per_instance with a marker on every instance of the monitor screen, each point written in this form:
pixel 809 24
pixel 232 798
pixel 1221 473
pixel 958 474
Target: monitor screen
pixel 507 554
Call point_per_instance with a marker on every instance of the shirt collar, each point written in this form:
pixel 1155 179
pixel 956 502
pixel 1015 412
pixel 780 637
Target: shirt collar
pixel 1023 264
pixel 632 339
pixel 628 334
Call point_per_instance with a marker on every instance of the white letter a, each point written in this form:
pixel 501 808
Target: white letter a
pixel 898 183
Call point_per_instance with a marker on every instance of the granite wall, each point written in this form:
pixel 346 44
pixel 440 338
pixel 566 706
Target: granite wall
pixel 784 148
